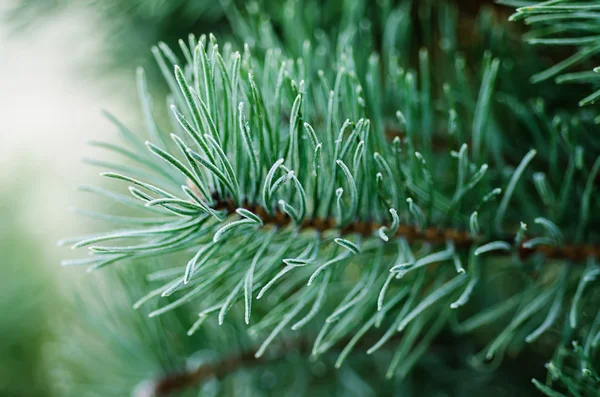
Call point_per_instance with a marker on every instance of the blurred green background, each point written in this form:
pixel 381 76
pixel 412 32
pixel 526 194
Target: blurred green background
pixel 51 101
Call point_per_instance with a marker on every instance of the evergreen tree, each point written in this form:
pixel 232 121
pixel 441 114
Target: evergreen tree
pixel 349 192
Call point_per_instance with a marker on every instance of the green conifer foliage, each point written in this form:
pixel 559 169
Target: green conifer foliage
pixel 359 194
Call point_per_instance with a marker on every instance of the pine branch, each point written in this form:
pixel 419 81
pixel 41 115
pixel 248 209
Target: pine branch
pixel 564 23
pixel 572 253
pixel 172 383
pixel 233 168
pixel 279 181
pixel 176 382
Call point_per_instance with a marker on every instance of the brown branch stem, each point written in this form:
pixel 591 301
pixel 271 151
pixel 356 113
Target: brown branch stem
pixel 432 235
pixel 174 382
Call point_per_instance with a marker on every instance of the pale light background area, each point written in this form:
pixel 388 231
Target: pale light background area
pixel 51 99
